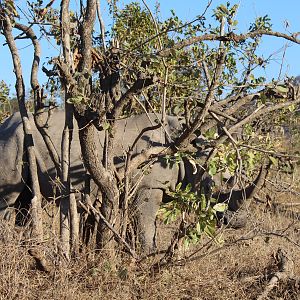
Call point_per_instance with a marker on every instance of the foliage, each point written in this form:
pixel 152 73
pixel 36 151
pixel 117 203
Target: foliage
pixel 197 211
pixel 4 101
pixel 136 31
pixel 8 105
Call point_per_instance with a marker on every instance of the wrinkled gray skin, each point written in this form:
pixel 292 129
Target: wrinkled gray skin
pixel 14 173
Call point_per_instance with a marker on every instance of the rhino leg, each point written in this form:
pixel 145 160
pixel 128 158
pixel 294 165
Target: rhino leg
pixel 147 204
pixel 13 184
pixel 8 202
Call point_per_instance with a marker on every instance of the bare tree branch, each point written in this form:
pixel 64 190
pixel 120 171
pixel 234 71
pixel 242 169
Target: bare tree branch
pixel 141 83
pixel 230 37
pixel 285 270
pixel 65 202
pixel 86 36
pixel 187 135
pixel 29 142
pixel 102 26
pixel 39 115
pixel 114 231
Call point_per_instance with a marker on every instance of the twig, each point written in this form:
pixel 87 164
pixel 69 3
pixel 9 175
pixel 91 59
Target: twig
pixel 271 152
pixel 283 273
pixel 277 234
pixel 111 228
pixel 166 71
pixel 230 37
pixel 102 27
pixel 126 177
pixel 234 143
pixel 186 137
pixel 174 29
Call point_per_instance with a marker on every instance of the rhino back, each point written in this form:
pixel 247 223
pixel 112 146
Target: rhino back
pixel 160 175
pixel 127 130
pixel 11 158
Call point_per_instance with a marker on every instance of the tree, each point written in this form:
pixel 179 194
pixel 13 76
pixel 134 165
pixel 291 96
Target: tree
pixel 8 105
pixel 203 72
pixel 4 100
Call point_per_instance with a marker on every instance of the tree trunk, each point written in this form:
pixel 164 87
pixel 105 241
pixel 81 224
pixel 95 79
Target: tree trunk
pixel 74 225
pixel 105 179
pixel 37 228
pixel 65 178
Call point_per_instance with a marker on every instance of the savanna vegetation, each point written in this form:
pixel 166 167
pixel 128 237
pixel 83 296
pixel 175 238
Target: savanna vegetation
pixel 205 72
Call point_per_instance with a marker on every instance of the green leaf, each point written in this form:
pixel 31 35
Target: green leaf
pixel 220 207
pixel 281 89
pixel 177 110
pixel 186 242
pixel 178 187
pixel 203 202
pixel 219 240
pixel 274 161
pixel 212 169
pixel 188 188
pixel 210 230
pixel 75 100
pixel 105 125
pixel 263 98
pixel 198 228
pixel 292 108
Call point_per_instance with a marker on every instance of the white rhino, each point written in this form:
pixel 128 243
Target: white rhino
pixel 15 177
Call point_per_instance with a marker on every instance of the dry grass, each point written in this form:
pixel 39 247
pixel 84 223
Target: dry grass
pixel 240 269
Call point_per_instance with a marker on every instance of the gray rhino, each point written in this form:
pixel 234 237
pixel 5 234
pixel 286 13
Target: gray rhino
pixel 152 182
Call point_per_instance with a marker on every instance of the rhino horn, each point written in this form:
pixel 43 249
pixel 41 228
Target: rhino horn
pixel 236 198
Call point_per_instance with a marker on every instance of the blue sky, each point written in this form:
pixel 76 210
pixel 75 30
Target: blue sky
pixel 279 11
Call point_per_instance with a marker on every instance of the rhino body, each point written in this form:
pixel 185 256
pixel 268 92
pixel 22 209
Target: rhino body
pixel 15 177
pixel 14 172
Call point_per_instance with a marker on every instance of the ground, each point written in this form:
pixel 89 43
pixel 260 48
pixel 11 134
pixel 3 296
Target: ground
pixel 241 268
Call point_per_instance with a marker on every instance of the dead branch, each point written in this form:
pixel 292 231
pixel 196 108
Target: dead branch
pixel 234 143
pixel 238 103
pixel 187 135
pixel 144 156
pixel 102 177
pixel 126 176
pixel 65 35
pixel 29 142
pixel 141 83
pixel 281 235
pixel 222 114
pixel 230 37
pixel 41 124
pixel 37 53
pixel 278 154
pixel 111 228
pixel 166 71
pixel 86 37
pixel 285 271
pixel 67 136
pixel 262 110
pixel 102 26
pixel 38 95
pixel 258 112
